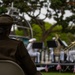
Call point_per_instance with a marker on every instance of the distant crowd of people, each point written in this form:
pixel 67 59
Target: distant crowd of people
pixel 62 56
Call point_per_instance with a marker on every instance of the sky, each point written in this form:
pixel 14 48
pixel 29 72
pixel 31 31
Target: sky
pixel 52 21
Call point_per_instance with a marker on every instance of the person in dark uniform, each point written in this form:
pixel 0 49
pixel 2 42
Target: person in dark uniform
pixel 14 50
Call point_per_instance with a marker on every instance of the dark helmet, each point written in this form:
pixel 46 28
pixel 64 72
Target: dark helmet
pixel 6 20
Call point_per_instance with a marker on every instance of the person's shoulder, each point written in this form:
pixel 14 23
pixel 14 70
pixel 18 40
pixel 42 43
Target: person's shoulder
pixel 16 40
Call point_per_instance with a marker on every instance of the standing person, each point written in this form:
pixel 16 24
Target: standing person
pixel 51 54
pixel 14 50
pixel 62 55
pixel 33 52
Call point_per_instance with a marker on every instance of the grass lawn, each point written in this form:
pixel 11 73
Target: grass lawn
pixel 56 73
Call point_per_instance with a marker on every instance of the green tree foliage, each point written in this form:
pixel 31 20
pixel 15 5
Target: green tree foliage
pixel 68 38
pixel 38 31
pixel 2 10
pixel 19 32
